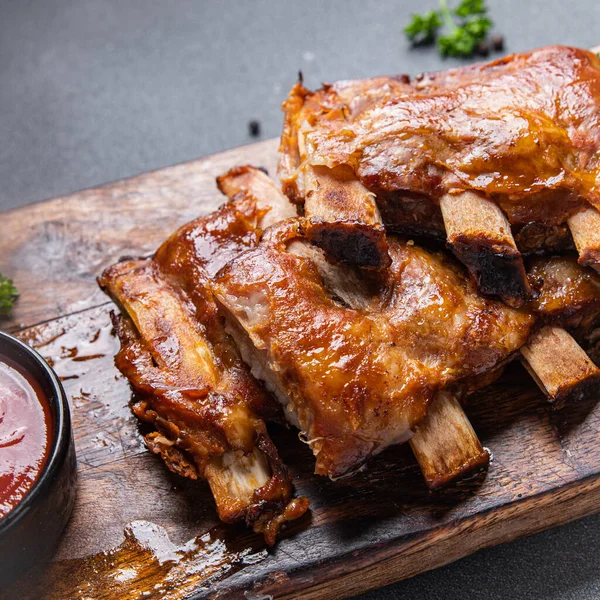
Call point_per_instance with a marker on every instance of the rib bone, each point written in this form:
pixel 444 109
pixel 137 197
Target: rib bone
pixel 262 189
pixel 585 229
pixel 445 445
pixel 559 366
pixel 479 234
pixel 343 218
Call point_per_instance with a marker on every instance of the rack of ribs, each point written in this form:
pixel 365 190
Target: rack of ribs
pixel 356 363
pixel 499 159
pixel 191 386
pixel 358 360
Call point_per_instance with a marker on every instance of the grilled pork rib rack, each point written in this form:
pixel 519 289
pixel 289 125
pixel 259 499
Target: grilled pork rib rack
pixel 192 387
pixel 366 338
pixel 358 364
pixel 498 158
pixel 359 360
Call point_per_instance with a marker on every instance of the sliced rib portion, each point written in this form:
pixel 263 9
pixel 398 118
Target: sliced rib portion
pixel 479 234
pixel 511 130
pixel 445 444
pixel 191 384
pixel 560 367
pixel 357 374
pixel 585 228
pixel 202 409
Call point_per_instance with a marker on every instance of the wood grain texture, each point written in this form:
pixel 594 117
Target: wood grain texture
pixel 54 250
pixel 159 534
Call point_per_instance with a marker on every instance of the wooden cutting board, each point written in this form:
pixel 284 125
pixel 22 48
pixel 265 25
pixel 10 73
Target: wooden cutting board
pixel 139 531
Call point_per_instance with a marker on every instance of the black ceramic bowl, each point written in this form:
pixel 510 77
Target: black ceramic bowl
pixel 30 532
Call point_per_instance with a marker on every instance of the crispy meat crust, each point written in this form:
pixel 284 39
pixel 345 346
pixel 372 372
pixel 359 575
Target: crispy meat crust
pixel 523 131
pixel 358 379
pixel 191 384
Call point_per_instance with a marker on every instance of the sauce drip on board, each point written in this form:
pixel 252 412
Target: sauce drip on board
pixel 147 564
pixel 25 421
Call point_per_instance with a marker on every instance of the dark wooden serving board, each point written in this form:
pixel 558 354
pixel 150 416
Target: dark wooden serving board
pixel 139 531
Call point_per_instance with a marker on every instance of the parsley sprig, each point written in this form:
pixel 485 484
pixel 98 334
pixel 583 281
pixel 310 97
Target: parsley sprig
pixel 8 295
pixel 465 28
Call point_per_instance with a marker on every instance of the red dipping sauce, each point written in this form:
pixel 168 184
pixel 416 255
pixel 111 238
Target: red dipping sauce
pixel 25 427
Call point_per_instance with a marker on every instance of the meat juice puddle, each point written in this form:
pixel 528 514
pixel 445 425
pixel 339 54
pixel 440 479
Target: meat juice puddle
pixel 147 564
pixel 25 424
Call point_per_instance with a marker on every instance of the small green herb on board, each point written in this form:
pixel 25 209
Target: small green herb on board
pixel 464 29
pixel 8 295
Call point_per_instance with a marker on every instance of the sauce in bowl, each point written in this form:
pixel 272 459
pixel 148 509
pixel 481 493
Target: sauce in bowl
pixel 25 431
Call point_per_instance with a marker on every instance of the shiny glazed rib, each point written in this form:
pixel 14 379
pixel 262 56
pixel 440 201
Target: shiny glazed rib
pixel 190 381
pixel 524 130
pixel 357 369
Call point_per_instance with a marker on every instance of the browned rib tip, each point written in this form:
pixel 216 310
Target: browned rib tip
pixel 342 218
pixel 445 445
pixel 479 234
pixel 560 367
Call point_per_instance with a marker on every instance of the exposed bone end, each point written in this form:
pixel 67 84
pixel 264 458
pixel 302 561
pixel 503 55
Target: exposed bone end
pixel 445 445
pixel 343 218
pixel 585 229
pixel 350 243
pixel 233 479
pixel 244 178
pixel 560 367
pixel 245 487
pixel 496 269
pixel 479 234
pixel 262 188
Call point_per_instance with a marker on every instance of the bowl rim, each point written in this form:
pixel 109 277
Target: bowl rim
pixel 61 437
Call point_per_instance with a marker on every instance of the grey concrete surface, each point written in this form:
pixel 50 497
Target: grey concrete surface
pixel 92 91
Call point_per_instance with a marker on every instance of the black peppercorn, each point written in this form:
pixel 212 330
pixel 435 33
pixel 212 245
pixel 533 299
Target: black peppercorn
pixel 483 48
pixel 498 42
pixel 254 128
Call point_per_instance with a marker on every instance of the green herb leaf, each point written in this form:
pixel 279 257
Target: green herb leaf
pixel 457 43
pixel 468 8
pixel 8 294
pixel 465 27
pixel 478 28
pixel 422 28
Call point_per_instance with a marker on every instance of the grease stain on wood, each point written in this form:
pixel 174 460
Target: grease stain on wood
pixel 147 564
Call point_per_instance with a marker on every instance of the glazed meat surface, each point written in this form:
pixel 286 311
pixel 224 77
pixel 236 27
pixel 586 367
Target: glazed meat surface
pixel 356 361
pixel 192 387
pixel 569 293
pixel 498 159
pixel 356 357
pixel 524 130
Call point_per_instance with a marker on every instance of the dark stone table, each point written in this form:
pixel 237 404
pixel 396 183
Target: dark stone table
pixel 93 91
